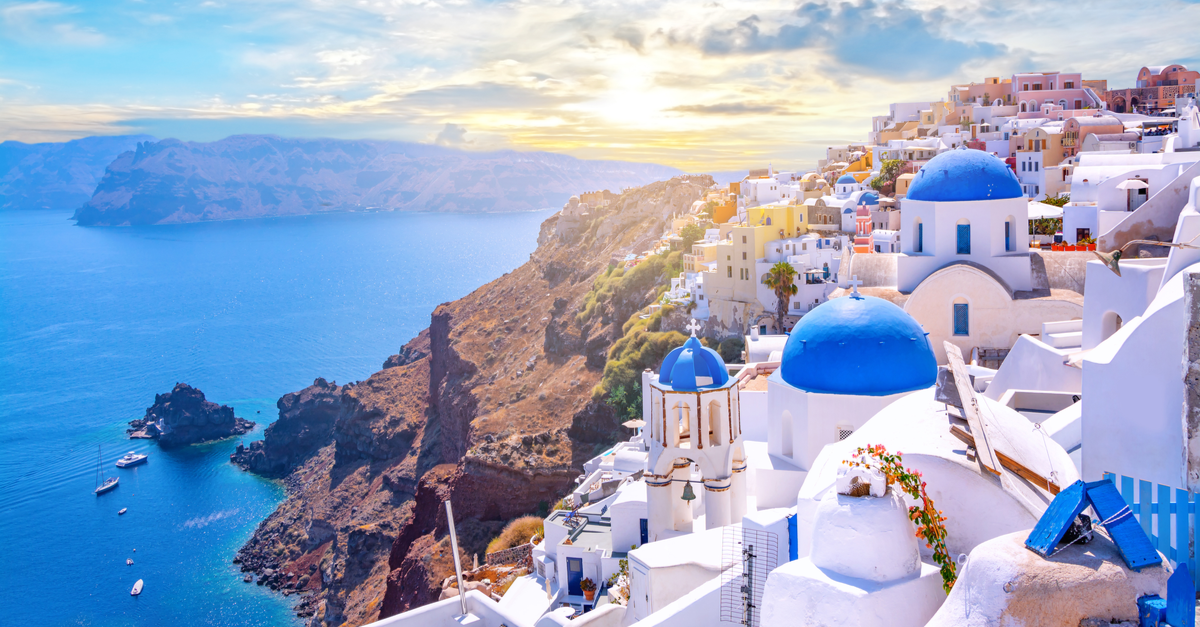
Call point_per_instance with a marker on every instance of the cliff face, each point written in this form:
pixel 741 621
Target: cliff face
pixel 249 176
pixel 57 175
pixel 183 416
pixel 491 407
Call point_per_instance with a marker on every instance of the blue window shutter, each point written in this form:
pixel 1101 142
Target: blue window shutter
pixel 1007 236
pixel 921 237
pixel 964 239
pixel 962 322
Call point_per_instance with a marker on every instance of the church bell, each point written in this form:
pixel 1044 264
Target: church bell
pixel 688 494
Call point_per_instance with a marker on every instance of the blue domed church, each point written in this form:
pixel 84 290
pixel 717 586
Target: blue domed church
pixel 845 361
pixel 965 267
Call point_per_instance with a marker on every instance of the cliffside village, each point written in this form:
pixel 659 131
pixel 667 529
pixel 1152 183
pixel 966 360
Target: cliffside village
pixel 978 405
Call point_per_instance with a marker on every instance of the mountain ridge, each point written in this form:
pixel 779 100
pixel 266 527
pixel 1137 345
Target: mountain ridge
pixel 53 175
pixel 250 176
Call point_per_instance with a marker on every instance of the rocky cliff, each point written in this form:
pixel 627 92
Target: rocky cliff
pixel 183 416
pixel 249 176
pixel 492 406
pixel 57 175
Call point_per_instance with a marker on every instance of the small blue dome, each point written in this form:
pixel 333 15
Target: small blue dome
pixel 846 179
pixel 685 365
pixel 858 345
pixel 868 198
pixel 962 175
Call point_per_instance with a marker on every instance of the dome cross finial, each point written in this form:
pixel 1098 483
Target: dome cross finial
pixel 693 326
pixel 854 283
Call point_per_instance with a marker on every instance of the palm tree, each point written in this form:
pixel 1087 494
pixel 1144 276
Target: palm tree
pixel 781 279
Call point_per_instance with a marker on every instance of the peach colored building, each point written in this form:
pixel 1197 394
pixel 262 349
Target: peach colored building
pixel 1156 89
pixel 1076 129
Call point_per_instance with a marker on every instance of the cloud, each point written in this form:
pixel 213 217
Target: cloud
pixel 886 39
pixel 42 22
pixel 634 37
pixel 733 108
pixel 452 135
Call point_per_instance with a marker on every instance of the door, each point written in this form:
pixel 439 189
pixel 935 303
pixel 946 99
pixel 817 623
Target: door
pixel 645 531
pixel 574 575
pixel 1007 236
pixel 964 239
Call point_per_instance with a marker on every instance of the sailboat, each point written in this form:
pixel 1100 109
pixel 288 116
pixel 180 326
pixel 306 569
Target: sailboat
pixel 103 484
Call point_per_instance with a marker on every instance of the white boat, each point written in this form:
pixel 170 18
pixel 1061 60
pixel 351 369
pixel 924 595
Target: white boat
pixel 137 588
pixel 131 459
pixel 129 562
pixel 122 512
pixel 103 484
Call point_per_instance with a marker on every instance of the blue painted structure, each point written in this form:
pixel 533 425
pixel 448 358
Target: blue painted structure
pixel 645 531
pixel 964 175
pixel 868 198
pixel 1152 610
pixel 1117 517
pixel 1158 517
pixel 964 239
pixel 846 179
pixel 684 366
pixel 962 319
pixel 1181 598
pixel 860 345
pixel 574 576
pixel 1057 519
pixel 793 540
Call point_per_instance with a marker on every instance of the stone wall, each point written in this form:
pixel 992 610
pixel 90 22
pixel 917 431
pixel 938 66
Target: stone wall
pixel 515 555
pixel 1191 377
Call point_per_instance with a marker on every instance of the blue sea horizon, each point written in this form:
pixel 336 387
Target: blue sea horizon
pixel 95 321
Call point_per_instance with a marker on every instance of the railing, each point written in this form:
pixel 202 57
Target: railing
pixel 1158 517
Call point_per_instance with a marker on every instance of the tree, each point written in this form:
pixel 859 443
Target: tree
pixel 709 208
pixel 889 170
pixel 691 234
pixel 781 279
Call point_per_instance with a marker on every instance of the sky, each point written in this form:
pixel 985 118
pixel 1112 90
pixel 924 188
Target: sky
pixel 696 85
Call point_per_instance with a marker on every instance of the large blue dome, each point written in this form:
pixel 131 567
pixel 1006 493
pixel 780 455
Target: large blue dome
pixel 959 175
pixel 685 367
pixel 858 345
pixel 846 179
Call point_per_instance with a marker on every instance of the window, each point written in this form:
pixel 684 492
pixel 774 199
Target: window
pixel 743 239
pixel 844 432
pixel 1008 236
pixel 1024 86
pixel 729 271
pixel 1036 190
pixel 919 246
pixel 962 322
pixel 743 256
pixel 1022 166
pixel 1069 85
pixel 1037 87
pixel 1006 137
pixel 964 239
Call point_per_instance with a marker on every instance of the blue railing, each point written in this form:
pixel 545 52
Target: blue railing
pixel 1169 523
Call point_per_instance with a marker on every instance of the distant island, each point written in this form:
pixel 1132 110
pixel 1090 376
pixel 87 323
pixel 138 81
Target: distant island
pixel 57 175
pixel 183 416
pixel 252 176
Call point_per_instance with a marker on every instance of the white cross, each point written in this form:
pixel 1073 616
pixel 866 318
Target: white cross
pixel 693 326
pixel 854 283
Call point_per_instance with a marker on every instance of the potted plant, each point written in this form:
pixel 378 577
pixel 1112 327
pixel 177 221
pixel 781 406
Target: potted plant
pixel 1070 247
pixel 1086 243
pixel 589 589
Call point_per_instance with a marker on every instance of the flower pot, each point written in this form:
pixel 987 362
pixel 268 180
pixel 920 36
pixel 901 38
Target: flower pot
pixel 1091 247
pixel 1070 248
pixel 590 595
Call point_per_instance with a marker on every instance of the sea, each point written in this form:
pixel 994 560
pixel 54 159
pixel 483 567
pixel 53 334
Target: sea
pixel 95 321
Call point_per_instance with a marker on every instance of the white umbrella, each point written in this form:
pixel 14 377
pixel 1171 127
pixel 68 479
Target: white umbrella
pixel 1133 184
pixel 1042 210
pixel 637 423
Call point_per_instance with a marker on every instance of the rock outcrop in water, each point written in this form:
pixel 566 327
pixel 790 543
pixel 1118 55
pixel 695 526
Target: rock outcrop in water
pixel 252 176
pixel 305 424
pixel 183 416
pixel 491 406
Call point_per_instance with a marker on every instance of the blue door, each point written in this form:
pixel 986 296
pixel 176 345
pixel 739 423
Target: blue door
pixel 574 575
pixel 964 239
pixel 1008 236
pixel 962 322
pixel 645 532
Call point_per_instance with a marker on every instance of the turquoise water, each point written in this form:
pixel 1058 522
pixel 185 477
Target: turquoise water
pixel 94 322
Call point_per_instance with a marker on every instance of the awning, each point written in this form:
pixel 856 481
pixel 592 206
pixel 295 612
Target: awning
pixel 1133 184
pixel 1042 210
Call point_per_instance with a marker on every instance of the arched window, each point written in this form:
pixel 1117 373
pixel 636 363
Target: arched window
pixel 963 233
pixel 1010 234
pixel 1062 103
pixel 918 236
pixel 718 425
pixel 1023 109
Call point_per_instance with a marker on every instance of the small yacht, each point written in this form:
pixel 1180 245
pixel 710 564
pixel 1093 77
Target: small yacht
pixel 137 588
pixel 103 484
pixel 131 459
pixel 129 562
pixel 122 512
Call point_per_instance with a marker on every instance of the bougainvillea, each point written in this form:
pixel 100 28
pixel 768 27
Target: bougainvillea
pixel 928 520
